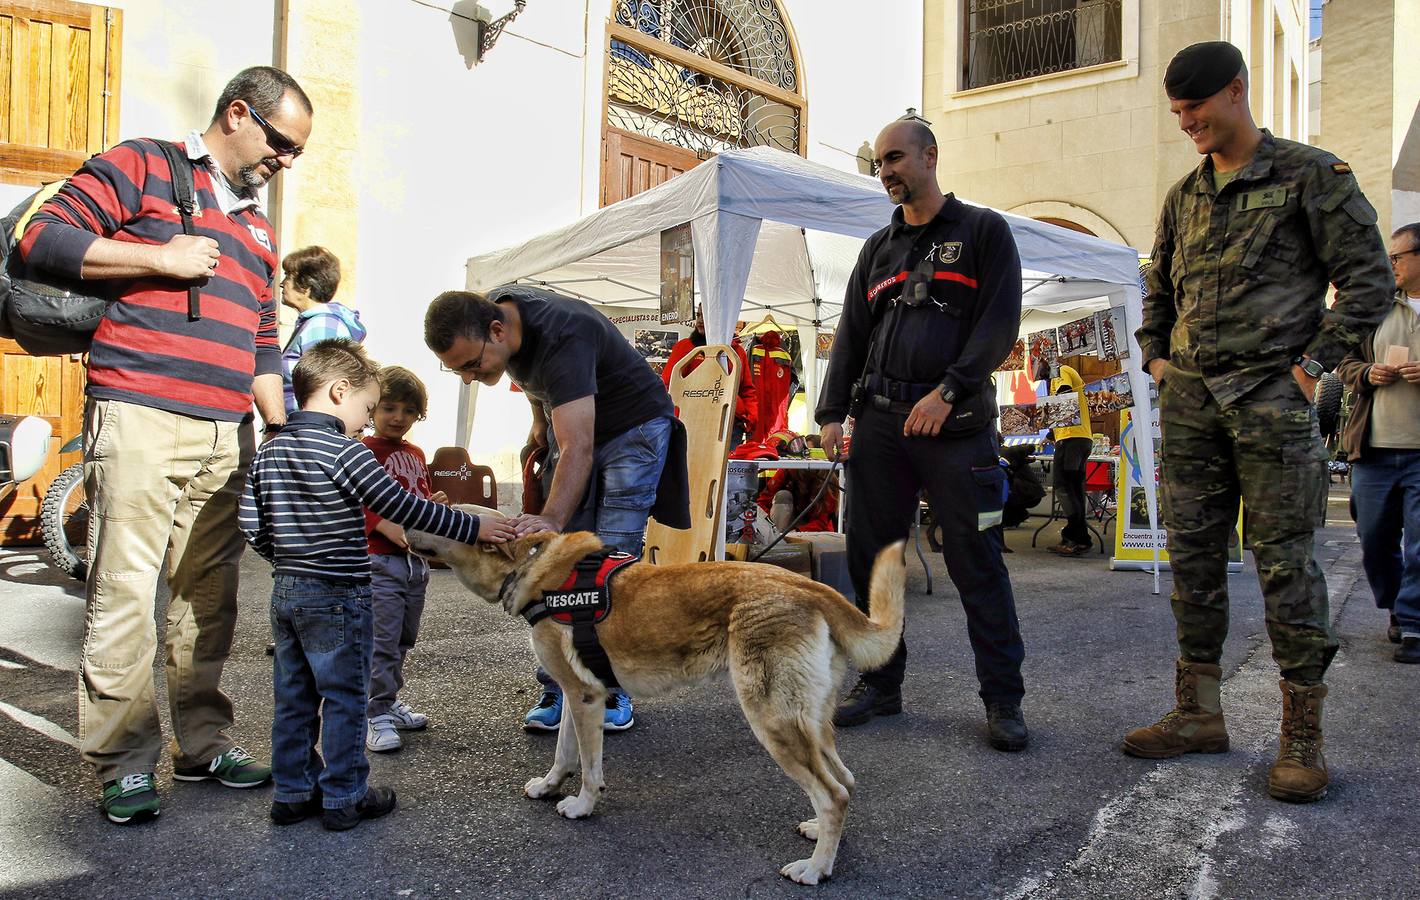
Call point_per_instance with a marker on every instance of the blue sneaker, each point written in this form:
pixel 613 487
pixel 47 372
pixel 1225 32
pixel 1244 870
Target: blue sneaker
pixel 547 715
pixel 619 714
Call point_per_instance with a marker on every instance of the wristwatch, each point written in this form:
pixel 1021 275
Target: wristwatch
pixel 1313 368
pixel 273 427
pixel 948 395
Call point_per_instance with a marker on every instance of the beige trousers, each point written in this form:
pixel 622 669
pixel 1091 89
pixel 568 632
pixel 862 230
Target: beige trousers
pixel 158 482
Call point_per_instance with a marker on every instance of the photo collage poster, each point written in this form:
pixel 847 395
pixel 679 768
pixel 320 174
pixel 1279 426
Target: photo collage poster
pixel 677 276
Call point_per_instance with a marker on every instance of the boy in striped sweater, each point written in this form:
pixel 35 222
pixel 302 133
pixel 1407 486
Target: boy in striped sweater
pixel 302 510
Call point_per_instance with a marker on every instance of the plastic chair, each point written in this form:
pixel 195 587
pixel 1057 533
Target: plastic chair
pixel 452 472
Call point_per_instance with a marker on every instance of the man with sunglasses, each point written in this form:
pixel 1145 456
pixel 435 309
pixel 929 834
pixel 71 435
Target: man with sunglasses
pixel 167 438
pixel 932 307
pixel 1382 442
pixel 616 450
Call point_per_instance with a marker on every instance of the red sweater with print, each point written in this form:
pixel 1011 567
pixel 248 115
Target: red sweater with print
pixel 406 465
pixel 145 350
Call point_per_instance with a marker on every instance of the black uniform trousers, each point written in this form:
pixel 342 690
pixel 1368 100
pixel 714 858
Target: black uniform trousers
pixel 965 485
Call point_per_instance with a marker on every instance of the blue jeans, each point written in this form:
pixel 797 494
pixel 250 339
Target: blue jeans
pixel 320 675
pixel 1385 491
pixel 620 492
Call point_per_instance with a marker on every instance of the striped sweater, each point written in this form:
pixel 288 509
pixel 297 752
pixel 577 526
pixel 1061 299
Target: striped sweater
pixel 145 350
pixel 301 508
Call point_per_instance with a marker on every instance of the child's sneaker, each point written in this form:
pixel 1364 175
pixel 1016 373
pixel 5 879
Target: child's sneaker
pixel 406 719
pixel 381 737
pixel 619 715
pixel 130 799
pixel 236 769
pixel 376 802
pixel 547 715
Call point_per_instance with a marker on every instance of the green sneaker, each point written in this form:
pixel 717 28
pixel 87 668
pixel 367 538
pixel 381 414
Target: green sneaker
pixel 132 798
pixel 236 769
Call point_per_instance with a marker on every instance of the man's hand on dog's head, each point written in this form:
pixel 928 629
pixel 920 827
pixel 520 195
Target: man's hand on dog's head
pixel 526 524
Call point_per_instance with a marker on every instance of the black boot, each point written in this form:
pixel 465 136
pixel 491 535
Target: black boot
pixel 378 801
pixel 1006 727
pixel 1408 651
pixel 1393 632
pixel 864 702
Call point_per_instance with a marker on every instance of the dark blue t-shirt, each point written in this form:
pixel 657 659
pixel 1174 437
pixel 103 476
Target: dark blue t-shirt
pixel 571 351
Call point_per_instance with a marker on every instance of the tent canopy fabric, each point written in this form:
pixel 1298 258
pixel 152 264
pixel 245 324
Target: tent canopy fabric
pixel 778 233
pixel 802 223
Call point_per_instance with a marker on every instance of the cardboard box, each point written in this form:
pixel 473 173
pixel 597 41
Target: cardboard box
pixel 828 555
pixel 795 557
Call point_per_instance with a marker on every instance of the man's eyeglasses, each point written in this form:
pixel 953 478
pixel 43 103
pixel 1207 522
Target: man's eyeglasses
pixel 468 367
pixel 280 144
pixel 1395 257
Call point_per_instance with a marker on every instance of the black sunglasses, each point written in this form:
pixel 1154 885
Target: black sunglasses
pixel 280 143
pixel 1395 257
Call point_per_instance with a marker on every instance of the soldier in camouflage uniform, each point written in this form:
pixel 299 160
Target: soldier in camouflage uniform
pixel 1236 332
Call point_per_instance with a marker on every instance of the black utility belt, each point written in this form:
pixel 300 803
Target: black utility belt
pixel 969 414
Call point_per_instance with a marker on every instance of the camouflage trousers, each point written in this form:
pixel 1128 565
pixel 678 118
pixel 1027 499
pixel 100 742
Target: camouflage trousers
pixel 1264 449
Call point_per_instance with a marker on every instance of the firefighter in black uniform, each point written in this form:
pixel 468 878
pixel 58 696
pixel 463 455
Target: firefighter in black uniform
pixel 932 307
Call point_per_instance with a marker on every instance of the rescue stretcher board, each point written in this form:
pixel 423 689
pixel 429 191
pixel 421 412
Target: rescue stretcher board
pixel 703 388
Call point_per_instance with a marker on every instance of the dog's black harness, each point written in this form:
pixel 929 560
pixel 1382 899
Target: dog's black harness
pixel 584 600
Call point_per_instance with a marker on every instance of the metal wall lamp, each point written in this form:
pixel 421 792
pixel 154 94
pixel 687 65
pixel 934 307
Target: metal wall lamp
pixel 489 32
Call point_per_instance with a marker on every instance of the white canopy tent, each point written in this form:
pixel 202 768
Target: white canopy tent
pixel 775 232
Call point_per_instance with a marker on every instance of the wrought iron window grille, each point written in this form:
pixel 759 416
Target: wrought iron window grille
pixel 664 96
pixel 1012 40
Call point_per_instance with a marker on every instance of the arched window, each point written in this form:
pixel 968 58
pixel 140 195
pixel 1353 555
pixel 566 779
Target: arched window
pixel 687 79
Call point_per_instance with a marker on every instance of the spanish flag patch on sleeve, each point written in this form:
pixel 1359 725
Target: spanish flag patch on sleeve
pixel 1341 168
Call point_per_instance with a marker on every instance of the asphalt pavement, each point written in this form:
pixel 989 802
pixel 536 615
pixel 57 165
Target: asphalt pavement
pixel 695 808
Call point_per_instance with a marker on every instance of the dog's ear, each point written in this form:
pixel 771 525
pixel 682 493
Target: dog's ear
pixel 505 548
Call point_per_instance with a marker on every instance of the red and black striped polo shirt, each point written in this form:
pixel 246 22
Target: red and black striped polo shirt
pixel 146 351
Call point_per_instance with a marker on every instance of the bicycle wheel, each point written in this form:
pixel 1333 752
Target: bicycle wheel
pixel 64 520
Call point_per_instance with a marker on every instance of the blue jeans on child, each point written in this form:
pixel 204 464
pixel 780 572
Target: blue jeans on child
pixel 621 491
pixel 320 676
pixel 1385 493
pixel 398 582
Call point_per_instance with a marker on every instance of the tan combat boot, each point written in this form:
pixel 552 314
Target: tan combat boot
pixel 1195 725
pixel 1299 774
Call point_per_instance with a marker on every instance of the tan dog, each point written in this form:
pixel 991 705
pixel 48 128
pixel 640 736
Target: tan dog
pixel 783 638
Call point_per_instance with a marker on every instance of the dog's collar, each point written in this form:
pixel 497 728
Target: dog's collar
pixel 508 582
pixel 511 579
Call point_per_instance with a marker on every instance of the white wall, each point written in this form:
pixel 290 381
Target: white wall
pixel 860 71
pixel 453 161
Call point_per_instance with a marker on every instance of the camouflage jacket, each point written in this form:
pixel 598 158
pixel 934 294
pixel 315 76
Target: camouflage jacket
pixel 1237 285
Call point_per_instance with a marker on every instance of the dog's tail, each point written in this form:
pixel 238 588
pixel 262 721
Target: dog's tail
pixel 871 640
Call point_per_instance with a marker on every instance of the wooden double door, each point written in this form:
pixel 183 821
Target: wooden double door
pixel 632 163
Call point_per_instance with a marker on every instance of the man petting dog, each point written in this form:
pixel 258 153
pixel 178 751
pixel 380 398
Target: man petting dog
pixel 618 451
pixel 932 307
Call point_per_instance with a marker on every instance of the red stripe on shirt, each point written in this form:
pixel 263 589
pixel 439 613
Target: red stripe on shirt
pixel 190 392
pixel 158 343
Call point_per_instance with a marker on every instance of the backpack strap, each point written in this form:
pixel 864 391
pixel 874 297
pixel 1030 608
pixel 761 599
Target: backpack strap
pixel 183 194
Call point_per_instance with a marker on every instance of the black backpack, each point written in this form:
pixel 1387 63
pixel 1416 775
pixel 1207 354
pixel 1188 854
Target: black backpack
pixel 51 316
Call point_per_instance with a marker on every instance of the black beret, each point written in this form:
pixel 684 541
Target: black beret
pixel 1201 70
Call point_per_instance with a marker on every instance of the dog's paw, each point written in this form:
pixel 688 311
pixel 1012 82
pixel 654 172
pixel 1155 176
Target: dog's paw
pixel 542 788
pixel 575 807
pixel 806 871
pixel 809 829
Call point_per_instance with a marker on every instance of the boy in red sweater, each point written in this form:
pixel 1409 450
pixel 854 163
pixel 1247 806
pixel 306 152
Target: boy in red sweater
pixel 398 579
